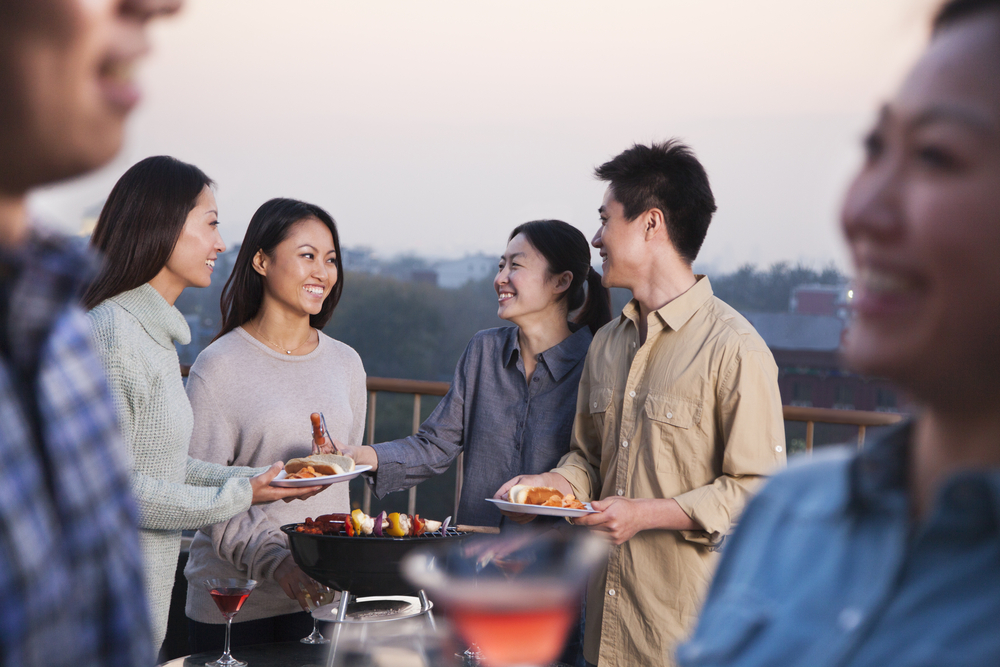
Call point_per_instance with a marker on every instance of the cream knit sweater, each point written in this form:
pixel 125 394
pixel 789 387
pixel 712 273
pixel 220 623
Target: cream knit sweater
pixel 251 407
pixel 134 334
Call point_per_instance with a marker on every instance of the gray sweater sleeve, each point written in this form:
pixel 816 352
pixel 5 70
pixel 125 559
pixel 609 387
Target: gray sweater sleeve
pixel 203 473
pixel 162 505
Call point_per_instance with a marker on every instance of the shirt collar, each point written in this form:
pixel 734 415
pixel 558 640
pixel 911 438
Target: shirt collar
pixel 163 322
pixel 676 313
pixel 878 479
pixel 559 359
pixel 39 278
pixel 878 473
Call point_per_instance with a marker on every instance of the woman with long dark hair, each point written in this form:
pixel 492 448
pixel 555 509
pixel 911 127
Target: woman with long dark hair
pixel 158 233
pixel 511 404
pixel 252 391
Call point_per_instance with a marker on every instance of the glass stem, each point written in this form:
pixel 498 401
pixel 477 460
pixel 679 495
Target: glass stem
pixel 225 656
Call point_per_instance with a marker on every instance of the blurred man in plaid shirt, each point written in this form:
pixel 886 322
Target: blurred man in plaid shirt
pixel 70 576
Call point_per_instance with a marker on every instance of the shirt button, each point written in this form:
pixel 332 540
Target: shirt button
pixel 849 619
pixel 621 492
pixel 611 592
pixel 670 415
pixel 778 448
pixel 632 394
pixel 624 443
pixel 595 405
pixel 534 379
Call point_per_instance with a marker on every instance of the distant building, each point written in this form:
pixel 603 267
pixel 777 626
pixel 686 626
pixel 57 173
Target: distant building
pixel 454 273
pixel 360 259
pixel 806 349
pixel 833 300
pixel 424 276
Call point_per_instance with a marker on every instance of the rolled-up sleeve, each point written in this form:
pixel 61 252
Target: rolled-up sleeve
pixel 753 436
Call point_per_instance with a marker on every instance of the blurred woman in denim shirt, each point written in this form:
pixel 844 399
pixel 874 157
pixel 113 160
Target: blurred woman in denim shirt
pixel 891 557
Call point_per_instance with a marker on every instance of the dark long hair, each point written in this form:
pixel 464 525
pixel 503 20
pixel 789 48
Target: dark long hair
pixel 141 222
pixel 270 225
pixel 565 248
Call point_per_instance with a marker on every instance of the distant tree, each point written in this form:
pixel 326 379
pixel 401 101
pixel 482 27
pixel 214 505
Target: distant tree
pixel 750 289
pixel 411 330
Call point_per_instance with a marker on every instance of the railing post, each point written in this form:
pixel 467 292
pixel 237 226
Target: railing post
pixel 459 473
pixel 411 507
pixel 810 428
pixel 366 494
pixel 861 436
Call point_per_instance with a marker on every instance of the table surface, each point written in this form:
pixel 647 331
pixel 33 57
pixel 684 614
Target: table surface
pixel 283 654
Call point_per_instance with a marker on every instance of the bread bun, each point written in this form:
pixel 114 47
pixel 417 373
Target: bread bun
pixel 532 495
pixel 326 464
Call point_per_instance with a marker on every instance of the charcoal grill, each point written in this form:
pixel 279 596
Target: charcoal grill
pixel 365 568
pixel 364 565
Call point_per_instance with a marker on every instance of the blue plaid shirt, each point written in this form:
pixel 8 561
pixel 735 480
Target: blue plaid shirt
pixel 71 588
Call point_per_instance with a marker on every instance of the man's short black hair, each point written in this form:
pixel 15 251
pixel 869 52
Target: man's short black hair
pixel 669 177
pixel 957 10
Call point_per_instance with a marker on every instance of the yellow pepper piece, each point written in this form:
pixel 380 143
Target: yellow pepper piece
pixel 395 528
pixel 356 517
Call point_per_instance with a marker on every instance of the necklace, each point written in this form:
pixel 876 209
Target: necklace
pixel 308 338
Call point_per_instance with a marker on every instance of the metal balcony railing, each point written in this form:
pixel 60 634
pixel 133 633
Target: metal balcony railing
pixel 862 419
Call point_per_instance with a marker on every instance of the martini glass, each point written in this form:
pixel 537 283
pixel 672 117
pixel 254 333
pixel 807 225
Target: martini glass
pixel 324 597
pixel 514 596
pixel 229 596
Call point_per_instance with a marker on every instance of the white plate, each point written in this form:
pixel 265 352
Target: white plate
pixel 280 480
pixel 541 509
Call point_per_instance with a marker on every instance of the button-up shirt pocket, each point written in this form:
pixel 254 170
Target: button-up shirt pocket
pixel 671 418
pixel 600 403
pixel 733 628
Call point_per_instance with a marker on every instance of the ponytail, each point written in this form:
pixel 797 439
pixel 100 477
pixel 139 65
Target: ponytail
pixel 596 311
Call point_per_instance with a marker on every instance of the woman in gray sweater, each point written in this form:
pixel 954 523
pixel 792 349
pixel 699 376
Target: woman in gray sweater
pixel 252 391
pixel 158 234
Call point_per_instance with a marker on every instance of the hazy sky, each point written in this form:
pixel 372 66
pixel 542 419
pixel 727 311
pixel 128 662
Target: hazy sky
pixel 435 127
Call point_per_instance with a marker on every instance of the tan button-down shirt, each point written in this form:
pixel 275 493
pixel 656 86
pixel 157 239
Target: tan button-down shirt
pixel 693 414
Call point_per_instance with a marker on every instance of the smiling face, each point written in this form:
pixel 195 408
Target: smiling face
pixel 621 243
pixel 525 286
pixel 193 258
pixel 922 220
pixel 302 270
pixel 66 82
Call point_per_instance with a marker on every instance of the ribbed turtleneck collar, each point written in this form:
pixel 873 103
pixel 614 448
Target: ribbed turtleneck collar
pixel 163 322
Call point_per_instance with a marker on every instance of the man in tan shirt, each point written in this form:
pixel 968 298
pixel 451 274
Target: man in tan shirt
pixel 678 413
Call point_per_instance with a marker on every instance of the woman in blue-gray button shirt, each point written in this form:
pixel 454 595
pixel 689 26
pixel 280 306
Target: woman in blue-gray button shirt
pixel 890 557
pixel 511 405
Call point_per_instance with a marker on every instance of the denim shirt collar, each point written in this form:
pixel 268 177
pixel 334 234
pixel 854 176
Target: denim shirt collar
pixel 878 481
pixel 559 359
pixel 878 472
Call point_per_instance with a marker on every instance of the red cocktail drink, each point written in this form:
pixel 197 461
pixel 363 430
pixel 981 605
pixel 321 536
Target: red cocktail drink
pixel 515 637
pixel 229 596
pixel 514 597
pixel 229 600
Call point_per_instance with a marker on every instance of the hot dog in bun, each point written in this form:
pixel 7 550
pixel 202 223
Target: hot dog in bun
pixel 324 464
pixel 542 495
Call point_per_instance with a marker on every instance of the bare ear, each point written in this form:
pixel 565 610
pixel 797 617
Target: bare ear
pixel 563 281
pixel 260 263
pixel 656 223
